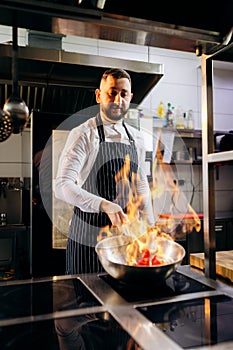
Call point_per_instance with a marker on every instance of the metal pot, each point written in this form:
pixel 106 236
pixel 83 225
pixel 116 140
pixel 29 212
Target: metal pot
pixel 112 255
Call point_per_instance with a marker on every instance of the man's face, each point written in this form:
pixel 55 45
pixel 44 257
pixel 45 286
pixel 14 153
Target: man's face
pixel 114 96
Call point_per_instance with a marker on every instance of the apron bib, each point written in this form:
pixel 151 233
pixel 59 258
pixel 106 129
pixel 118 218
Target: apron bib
pixel 85 226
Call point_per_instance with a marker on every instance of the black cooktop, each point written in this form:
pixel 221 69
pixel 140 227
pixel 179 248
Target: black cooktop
pixel 175 284
pixel 196 322
pixel 89 332
pixel 44 297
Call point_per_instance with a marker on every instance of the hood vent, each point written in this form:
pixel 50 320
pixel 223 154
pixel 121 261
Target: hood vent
pixel 56 81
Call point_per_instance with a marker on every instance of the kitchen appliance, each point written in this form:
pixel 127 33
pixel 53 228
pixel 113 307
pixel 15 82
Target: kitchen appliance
pixel 12 203
pixel 7 249
pixel 187 311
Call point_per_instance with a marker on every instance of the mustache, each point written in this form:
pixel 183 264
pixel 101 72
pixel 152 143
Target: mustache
pixel 119 107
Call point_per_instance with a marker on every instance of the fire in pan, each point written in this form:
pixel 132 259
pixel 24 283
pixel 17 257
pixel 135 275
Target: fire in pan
pixel 148 259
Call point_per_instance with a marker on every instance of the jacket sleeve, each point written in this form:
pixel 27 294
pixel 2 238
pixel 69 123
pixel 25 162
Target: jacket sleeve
pixel 69 178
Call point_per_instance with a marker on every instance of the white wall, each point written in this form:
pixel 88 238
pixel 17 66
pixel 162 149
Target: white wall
pixel 15 155
pixel 180 85
pixel 223 97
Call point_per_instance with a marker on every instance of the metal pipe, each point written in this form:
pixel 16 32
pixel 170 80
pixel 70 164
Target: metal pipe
pixel 15 61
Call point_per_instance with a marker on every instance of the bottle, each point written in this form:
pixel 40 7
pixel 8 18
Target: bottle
pixel 169 115
pixel 190 122
pixel 161 110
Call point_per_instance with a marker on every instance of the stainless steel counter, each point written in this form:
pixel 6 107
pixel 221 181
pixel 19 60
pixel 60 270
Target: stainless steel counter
pixel 55 298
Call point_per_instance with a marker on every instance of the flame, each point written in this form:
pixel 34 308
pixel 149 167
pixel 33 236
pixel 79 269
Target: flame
pixel 134 250
pixel 170 226
pixel 128 198
pixel 176 217
pixel 127 192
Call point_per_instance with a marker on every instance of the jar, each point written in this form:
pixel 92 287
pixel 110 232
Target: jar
pixel 190 122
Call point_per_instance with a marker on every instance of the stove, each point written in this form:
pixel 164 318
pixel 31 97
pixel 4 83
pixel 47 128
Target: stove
pixel 195 322
pixel 185 311
pixel 43 297
pixel 96 332
pixel 176 284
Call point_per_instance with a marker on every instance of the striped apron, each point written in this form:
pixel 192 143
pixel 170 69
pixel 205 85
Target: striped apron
pixel 85 226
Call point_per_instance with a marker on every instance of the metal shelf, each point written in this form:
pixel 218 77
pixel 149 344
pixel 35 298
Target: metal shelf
pixel 210 158
pixel 220 157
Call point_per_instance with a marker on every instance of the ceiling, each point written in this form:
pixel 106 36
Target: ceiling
pixel 173 25
pixel 51 80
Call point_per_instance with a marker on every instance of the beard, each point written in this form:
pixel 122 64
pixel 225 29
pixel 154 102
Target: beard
pixel 114 112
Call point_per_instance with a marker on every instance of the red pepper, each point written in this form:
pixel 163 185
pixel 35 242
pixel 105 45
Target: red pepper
pixel 155 261
pixel 145 260
pixel 145 253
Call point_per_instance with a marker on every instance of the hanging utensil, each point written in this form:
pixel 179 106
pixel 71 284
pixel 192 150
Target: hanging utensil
pixel 6 126
pixel 18 112
pixel 15 108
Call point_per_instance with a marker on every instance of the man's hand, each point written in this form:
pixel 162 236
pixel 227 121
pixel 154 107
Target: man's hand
pixel 114 212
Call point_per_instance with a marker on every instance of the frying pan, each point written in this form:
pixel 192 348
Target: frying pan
pixel 112 255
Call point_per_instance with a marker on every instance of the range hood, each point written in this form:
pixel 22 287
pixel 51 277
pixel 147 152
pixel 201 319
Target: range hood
pixel 57 81
pixel 53 80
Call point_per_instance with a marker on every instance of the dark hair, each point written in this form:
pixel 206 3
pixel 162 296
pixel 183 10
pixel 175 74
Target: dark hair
pixel 116 73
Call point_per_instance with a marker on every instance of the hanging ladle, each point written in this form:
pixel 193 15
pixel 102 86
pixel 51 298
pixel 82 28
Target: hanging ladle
pixel 15 108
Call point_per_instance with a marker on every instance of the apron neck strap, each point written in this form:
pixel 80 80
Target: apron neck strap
pixel 100 129
pixel 127 132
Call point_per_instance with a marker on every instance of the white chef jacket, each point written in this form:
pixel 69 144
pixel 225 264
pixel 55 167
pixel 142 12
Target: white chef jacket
pixel 78 157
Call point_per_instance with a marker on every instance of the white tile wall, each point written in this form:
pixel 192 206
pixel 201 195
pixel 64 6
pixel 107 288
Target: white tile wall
pixel 223 97
pixel 11 157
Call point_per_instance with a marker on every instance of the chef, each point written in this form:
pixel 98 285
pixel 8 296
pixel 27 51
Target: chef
pixel 88 172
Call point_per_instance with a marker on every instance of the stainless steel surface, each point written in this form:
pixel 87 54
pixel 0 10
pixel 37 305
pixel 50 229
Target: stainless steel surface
pixel 208 171
pixel 209 158
pixel 147 335
pixel 220 157
pixel 144 332
pixel 44 83
pixel 187 28
pixel 57 81
pixel 18 112
pixel 6 126
pixel 113 257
